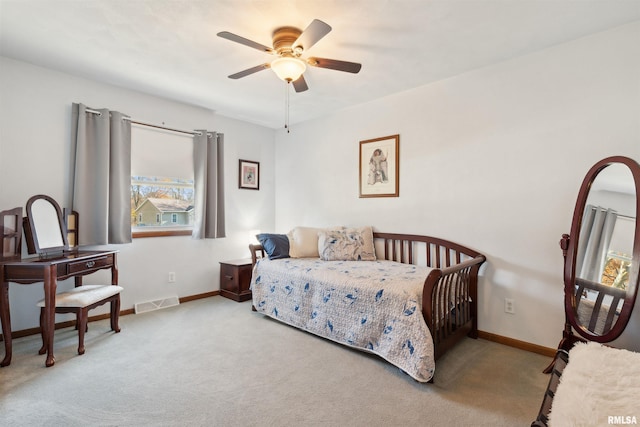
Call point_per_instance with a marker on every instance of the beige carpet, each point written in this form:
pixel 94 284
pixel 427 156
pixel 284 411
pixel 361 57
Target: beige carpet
pixel 213 362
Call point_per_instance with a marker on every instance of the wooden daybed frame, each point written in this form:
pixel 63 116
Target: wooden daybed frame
pixel 455 267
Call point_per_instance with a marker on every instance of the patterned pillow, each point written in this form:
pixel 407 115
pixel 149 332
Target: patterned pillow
pixel 348 244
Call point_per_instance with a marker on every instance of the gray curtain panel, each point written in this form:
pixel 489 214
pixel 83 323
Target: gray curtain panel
pixel 208 183
pixel 101 190
pixel 594 240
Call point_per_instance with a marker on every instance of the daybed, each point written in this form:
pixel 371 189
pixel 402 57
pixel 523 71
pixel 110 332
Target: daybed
pixel 406 298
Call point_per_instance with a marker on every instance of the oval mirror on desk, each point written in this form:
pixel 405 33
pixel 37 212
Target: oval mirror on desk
pixel 45 231
pixel 603 251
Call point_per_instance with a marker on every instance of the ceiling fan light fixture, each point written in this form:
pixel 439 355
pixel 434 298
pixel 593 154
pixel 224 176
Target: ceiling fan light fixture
pixel 288 69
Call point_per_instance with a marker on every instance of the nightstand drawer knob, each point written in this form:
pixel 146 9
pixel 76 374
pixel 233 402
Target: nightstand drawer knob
pixel 90 264
pixel 228 277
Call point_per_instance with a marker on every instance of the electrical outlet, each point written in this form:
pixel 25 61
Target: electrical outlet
pixel 172 277
pixel 509 306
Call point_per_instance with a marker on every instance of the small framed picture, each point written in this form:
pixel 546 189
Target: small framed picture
pixel 379 167
pixel 249 175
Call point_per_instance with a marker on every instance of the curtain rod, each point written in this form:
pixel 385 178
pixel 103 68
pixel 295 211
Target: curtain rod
pixel 148 124
pixel 627 217
pixel 618 214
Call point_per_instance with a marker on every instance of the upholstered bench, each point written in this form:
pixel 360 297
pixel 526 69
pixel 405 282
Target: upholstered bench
pixel 79 301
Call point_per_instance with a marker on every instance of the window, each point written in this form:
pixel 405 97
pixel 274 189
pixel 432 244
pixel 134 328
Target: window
pixel 618 260
pixel 168 201
pixel 162 194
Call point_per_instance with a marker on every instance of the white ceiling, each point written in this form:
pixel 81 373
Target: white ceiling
pixel 169 48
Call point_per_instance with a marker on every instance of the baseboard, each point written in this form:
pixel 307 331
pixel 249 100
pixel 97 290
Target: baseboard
pixel 69 323
pixel 199 296
pixel 522 345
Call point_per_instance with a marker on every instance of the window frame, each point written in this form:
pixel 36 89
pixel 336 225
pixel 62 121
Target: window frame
pixel 150 135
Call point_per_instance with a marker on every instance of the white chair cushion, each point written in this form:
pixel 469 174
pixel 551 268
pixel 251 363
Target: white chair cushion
pixel 85 295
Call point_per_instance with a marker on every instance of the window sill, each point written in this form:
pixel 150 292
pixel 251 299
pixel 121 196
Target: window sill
pixel 137 234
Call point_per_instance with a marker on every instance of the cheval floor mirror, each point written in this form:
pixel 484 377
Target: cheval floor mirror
pixel 601 264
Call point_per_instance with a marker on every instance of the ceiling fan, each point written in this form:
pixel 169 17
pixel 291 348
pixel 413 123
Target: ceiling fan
pixel 289 44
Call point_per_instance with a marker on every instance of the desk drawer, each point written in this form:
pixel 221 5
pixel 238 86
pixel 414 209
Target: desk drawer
pixel 90 264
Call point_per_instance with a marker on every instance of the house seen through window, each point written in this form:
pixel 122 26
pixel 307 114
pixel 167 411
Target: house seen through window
pixel 161 202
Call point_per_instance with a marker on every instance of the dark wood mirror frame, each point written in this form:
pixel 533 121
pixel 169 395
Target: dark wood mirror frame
pixel 569 245
pixel 34 244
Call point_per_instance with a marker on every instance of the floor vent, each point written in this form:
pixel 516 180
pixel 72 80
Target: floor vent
pixel 143 307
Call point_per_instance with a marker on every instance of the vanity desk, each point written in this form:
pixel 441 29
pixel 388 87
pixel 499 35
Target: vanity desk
pixel 52 237
pixel 48 270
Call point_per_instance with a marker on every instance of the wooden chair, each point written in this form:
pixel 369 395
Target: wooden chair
pixel 11 226
pixel 80 300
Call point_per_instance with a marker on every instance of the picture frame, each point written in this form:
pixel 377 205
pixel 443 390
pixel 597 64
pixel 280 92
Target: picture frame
pixel 379 168
pixel 249 175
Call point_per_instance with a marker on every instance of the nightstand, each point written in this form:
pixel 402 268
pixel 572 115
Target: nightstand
pixel 235 277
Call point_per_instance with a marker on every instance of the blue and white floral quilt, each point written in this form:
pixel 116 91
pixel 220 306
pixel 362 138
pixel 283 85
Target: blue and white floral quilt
pixel 375 306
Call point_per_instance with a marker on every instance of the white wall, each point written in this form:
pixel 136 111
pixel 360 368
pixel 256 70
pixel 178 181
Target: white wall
pixel 492 159
pixel 35 121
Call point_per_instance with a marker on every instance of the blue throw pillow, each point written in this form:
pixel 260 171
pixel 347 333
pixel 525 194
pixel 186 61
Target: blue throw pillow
pixel 275 245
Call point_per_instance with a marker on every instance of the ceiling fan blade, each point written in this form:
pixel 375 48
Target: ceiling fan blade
pixel 334 64
pixel 300 85
pixel 312 34
pixel 249 71
pixel 236 38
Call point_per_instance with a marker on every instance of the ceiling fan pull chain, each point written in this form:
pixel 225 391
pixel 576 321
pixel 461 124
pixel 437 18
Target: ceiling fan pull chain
pixel 286 107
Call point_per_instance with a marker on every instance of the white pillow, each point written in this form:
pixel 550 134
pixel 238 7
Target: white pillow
pixel 303 242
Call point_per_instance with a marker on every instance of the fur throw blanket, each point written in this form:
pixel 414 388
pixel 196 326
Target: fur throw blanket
pixel 599 386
